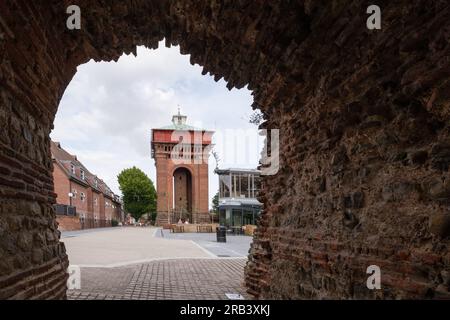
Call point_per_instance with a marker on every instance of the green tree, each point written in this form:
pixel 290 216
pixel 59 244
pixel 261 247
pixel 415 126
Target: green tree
pixel 138 191
pixel 215 203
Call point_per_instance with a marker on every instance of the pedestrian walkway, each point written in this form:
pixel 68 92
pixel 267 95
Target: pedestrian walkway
pixel 121 246
pixel 236 246
pixel 135 263
pixel 196 279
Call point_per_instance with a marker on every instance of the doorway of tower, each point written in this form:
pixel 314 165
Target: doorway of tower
pixel 182 195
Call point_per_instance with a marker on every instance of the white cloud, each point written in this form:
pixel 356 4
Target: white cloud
pixel 108 110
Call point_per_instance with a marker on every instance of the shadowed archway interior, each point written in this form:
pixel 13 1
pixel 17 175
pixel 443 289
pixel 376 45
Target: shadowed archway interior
pixel 364 134
pixel 182 195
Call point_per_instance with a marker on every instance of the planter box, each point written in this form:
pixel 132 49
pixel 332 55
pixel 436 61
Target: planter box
pixel 194 228
pixel 249 230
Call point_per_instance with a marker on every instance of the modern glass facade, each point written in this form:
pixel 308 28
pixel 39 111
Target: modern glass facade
pixel 238 216
pixel 239 184
pixel 238 189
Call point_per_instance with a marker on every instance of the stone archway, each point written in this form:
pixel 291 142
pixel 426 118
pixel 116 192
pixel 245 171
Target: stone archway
pixel 365 148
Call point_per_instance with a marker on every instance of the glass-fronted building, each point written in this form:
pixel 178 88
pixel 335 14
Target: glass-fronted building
pixel 238 189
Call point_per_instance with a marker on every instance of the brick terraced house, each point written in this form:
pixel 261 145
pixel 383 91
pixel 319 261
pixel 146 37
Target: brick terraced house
pixel 83 199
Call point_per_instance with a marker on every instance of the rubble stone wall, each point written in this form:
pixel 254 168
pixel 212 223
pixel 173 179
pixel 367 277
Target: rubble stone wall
pixel 363 118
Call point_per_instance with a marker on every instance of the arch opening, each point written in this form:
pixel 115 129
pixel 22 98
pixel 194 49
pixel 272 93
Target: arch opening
pixel 182 195
pixel 188 199
pixel 364 157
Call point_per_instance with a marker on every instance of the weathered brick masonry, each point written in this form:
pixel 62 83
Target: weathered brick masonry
pixel 364 119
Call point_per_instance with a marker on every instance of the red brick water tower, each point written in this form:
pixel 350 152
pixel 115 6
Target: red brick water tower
pixel 181 155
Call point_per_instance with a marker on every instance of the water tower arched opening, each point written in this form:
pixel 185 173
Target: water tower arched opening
pixel 182 194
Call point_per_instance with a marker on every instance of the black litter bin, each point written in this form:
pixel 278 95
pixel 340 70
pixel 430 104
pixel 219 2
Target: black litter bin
pixel 221 233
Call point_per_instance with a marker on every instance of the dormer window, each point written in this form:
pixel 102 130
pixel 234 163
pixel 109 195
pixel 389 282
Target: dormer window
pixel 72 168
pixel 83 176
pixel 96 183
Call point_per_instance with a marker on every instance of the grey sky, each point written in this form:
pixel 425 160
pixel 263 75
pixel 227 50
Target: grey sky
pixel 109 108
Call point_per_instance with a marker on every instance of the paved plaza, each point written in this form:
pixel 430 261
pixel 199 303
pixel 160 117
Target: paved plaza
pixel 148 263
pixel 236 246
pixel 114 247
pixel 185 279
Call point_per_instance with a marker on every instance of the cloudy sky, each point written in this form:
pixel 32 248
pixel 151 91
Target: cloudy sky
pixel 108 110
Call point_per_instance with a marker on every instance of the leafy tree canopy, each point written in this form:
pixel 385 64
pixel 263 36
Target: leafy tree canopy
pixel 138 191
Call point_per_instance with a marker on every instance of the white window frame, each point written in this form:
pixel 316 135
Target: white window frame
pixel 82 174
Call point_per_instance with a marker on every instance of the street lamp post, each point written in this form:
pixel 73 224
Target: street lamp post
pixel 70 198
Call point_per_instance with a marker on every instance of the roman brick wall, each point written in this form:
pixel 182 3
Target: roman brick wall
pixel 33 262
pixel 364 159
pixel 363 118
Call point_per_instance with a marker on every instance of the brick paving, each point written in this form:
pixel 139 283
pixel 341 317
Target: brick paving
pixel 172 279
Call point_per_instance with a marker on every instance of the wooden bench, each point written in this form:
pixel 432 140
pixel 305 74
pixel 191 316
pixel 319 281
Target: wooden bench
pixel 204 229
pixel 177 229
